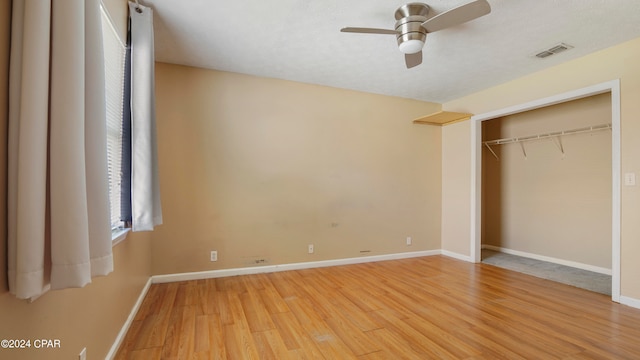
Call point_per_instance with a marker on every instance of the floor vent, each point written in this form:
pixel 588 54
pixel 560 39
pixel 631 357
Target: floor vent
pixel 553 50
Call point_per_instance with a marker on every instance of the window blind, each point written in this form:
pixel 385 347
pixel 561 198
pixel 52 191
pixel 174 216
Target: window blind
pixel 114 56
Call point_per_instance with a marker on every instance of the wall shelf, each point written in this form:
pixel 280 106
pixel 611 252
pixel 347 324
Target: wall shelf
pixel 442 118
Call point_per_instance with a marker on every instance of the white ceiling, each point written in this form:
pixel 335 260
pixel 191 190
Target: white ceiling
pixel 300 40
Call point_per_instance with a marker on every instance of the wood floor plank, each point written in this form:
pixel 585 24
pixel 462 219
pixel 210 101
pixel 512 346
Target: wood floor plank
pixel 174 329
pixel 129 341
pixel 419 308
pixel 316 297
pixel 289 329
pixel 221 299
pixel 217 350
pixel 361 298
pixel 210 299
pixel 285 284
pixel 239 342
pixel 264 347
pixel 149 302
pixel 489 348
pixel 153 353
pixel 377 355
pixel 147 338
pixel 155 324
pixel 394 344
pixel 355 338
pixel 187 332
pixel 329 344
pixel 417 340
pixel 295 337
pixel 255 311
pixel 270 345
pixel 443 338
pixel 201 342
pixel 272 301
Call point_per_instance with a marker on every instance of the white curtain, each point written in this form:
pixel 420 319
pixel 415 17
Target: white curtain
pixel 145 188
pixel 58 208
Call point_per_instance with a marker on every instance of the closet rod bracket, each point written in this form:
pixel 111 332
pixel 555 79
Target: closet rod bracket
pixel 558 141
pixel 492 152
pixel 524 152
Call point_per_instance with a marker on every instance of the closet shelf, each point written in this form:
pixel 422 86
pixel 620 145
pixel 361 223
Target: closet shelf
pixel 551 135
pixel 442 118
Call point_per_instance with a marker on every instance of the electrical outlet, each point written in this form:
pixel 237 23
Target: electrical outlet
pixel 83 354
pixel 630 179
pixel 409 240
pixel 310 248
pixel 214 255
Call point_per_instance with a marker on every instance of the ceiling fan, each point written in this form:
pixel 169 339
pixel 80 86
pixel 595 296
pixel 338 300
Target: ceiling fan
pixel 412 25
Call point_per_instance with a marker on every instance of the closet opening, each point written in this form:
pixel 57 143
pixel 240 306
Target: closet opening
pixel 546 191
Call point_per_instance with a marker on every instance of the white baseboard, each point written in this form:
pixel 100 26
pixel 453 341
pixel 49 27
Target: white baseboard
pixel 157 279
pixel 625 300
pixel 127 324
pixel 574 264
pixel 455 255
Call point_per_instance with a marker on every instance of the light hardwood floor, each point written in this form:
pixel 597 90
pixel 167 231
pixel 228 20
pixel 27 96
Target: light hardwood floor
pixel 422 308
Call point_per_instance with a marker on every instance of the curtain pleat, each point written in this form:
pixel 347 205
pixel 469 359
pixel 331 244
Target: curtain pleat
pixel 28 139
pixel 145 193
pixel 59 231
pixel 100 251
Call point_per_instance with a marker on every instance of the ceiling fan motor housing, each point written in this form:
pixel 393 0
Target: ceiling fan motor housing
pixel 411 34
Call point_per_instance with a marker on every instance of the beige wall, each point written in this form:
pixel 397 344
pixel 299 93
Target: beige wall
pixel 619 62
pixel 258 168
pixel 90 317
pixel 456 188
pixel 548 203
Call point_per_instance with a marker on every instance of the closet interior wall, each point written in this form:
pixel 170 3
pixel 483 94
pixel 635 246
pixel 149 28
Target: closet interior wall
pixel 550 198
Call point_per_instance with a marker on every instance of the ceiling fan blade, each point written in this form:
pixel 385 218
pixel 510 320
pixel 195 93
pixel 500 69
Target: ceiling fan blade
pixel 368 30
pixel 413 59
pixel 457 16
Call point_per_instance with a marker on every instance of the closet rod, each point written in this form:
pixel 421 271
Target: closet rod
pixel 547 135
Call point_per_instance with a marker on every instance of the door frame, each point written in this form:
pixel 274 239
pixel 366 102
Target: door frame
pixel 612 87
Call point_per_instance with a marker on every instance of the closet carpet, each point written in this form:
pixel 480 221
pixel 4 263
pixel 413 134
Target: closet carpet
pixel 584 279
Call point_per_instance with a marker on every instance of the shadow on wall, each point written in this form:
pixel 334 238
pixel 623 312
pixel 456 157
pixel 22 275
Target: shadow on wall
pixel 491 224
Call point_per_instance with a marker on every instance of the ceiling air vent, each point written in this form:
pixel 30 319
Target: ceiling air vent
pixel 553 50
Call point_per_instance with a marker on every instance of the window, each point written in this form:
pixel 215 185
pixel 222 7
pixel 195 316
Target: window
pixel 114 58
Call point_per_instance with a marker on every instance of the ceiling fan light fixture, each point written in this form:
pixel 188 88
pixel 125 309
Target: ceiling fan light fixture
pixel 411 46
pixel 413 25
